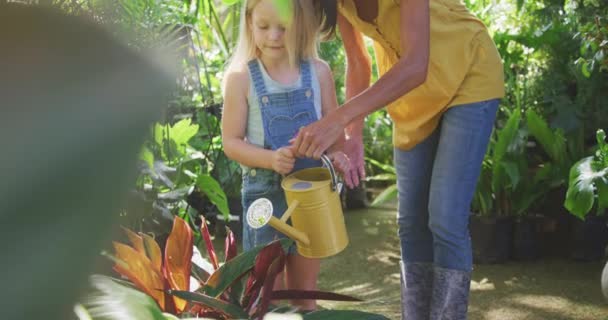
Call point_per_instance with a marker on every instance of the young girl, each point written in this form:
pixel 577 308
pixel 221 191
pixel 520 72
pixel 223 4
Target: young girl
pixel 274 85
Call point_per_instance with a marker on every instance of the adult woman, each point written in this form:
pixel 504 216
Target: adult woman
pixel 441 77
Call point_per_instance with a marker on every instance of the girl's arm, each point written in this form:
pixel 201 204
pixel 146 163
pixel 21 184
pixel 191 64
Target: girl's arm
pixel 234 124
pixel 407 74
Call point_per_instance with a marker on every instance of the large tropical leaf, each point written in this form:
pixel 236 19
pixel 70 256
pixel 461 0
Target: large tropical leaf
pixel 343 315
pixel 139 269
pixel 276 267
pixel 553 142
pixel 234 311
pixel 178 259
pixel 232 270
pixel 386 195
pixel 215 193
pixel 136 240
pixel 580 195
pixel 113 301
pixel 153 252
pixel 209 243
pixel 506 136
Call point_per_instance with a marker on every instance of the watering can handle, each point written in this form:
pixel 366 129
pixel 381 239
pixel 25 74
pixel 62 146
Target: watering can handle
pixel 334 178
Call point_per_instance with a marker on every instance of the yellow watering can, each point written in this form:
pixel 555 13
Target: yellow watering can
pixel 313 198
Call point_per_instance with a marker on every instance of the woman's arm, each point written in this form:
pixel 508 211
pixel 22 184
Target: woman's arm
pixel 358 76
pixel 411 69
pixel 358 66
pixel 407 74
pixel 329 103
pixel 234 124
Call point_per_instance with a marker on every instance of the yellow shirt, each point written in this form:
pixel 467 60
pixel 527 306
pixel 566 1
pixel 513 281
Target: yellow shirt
pixel 464 65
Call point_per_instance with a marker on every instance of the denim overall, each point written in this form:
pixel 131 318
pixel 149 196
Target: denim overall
pixel 283 114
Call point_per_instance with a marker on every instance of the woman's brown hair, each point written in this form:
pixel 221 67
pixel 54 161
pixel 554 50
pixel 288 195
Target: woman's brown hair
pixel 328 14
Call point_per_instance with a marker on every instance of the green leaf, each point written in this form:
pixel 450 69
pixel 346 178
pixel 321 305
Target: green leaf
pixel 585 69
pixel 112 300
pixel 600 136
pixel 602 192
pixel 214 192
pixel 73 169
pixel 147 156
pixel 343 315
pixel 183 131
pixel 285 10
pixel 234 311
pixel 512 171
pixel 386 195
pixel 382 177
pixel 579 197
pixel 385 167
pixel 230 2
pixel 230 271
pixel 552 142
pixel 506 135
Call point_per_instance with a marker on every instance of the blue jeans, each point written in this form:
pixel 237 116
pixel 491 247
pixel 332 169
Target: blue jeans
pixel 261 183
pixel 436 181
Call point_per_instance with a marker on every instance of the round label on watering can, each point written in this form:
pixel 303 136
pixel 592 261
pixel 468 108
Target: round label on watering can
pixel 259 213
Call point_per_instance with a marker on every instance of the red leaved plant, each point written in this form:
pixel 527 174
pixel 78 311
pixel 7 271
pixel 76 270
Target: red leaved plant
pixel 241 288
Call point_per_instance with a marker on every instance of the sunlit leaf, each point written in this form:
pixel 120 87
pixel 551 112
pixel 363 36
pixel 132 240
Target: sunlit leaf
pixel 147 156
pixel 209 244
pixel 139 269
pixel 276 267
pixel 114 301
pixel 232 270
pixel 136 240
pixel 178 259
pixel 387 194
pixel 153 252
pixel 234 311
pixel 215 193
pixel 285 10
pixel 230 246
pixel 580 194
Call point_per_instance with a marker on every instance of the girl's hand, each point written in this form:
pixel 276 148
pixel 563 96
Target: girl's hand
pixel 341 163
pixel 283 160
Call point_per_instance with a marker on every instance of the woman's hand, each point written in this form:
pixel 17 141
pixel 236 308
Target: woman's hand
pixel 283 160
pixel 341 163
pixel 317 137
pixel 353 147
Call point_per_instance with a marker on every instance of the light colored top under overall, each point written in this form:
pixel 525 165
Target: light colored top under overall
pixel 255 127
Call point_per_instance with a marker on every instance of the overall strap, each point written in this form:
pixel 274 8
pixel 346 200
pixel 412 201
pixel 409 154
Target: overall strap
pixel 257 77
pixel 305 74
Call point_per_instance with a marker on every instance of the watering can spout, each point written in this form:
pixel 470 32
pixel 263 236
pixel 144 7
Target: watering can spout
pixel 260 214
pixel 289 231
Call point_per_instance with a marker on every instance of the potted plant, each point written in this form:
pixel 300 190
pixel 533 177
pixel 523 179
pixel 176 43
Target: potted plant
pixel 491 224
pixel 588 181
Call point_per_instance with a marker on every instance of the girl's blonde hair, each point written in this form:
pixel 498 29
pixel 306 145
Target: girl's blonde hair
pixel 301 36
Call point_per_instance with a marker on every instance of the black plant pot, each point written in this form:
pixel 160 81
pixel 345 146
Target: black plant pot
pixel 491 238
pixel 526 242
pixel 355 198
pixel 589 238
